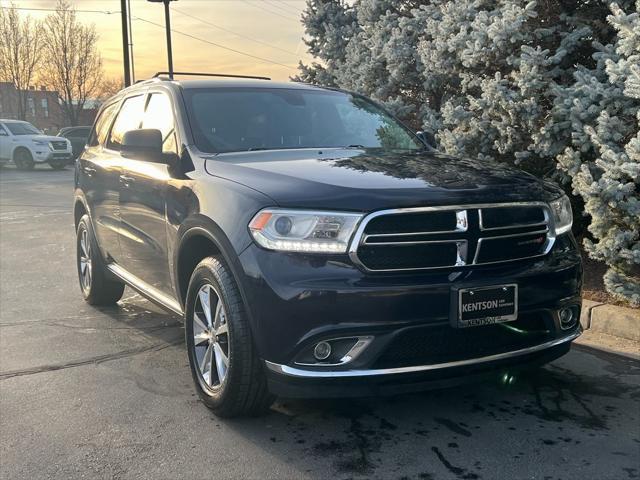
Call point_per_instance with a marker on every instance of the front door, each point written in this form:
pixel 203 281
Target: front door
pixel 143 193
pixel 4 143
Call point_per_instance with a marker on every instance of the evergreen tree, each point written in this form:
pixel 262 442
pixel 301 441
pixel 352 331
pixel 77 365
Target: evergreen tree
pixel 535 84
pixel 603 160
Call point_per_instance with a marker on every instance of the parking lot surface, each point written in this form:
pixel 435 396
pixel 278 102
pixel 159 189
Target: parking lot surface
pixel 106 393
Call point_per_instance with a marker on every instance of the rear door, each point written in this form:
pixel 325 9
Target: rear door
pixel 98 178
pixel 102 166
pixel 143 196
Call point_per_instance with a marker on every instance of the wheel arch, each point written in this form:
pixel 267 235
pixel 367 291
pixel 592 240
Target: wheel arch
pixel 200 237
pixel 80 208
pixel 17 148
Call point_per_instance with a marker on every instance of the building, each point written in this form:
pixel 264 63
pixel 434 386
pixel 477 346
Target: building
pixel 43 108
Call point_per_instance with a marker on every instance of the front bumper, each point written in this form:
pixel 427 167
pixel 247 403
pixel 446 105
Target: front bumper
pixel 286 382
pixel 295 301
pixel 45 156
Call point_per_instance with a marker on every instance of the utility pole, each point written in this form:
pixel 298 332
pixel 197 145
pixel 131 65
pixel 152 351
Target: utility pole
pixel 125 43
pixel 133 62
pixel 167 22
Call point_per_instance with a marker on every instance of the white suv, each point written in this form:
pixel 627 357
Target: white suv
pixel 25 145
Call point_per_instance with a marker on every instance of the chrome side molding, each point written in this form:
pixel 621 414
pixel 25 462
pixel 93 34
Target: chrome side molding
pixel 145 289
pixel 305 373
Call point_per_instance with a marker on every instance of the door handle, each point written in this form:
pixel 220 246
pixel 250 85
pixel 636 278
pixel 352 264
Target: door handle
pixel 89 170
pixel 127 180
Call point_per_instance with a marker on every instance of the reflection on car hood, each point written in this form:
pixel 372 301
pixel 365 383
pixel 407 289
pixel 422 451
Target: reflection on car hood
pixel 367 180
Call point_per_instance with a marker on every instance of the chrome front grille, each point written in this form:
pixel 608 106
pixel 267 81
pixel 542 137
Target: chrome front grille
pixel 59 145
pixel 452 236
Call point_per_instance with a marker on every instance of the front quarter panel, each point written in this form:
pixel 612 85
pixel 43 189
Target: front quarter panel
pixel 207 204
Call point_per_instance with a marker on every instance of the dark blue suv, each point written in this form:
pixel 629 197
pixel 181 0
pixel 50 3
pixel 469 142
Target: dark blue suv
pixel 317 247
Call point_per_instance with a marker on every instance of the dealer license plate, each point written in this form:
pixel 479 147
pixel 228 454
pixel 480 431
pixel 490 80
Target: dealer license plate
pixel 487 305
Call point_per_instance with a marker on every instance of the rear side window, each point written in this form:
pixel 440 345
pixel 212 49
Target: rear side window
pixel 103 122
pixel 129 118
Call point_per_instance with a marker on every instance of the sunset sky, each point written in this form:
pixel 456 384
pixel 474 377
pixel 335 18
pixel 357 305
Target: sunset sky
pixel 273 24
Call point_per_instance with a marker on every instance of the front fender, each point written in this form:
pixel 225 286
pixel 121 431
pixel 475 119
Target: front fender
pixel 199 225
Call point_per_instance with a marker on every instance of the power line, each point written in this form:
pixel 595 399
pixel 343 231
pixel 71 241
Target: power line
pixel 270 11
pixel 106 12
pixel 288 4
pixel 240 52
pixel 279 8
pixel 232 32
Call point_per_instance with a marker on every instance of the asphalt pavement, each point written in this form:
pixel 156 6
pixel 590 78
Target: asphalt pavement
pixel 107 393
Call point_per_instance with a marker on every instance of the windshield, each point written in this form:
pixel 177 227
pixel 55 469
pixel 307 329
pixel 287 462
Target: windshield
pixel 245 119
pixel 20 128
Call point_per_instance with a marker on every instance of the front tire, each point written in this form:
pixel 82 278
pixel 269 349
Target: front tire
pixel 23 159
pixel 228 374
pixel 58 164
pixel 96 284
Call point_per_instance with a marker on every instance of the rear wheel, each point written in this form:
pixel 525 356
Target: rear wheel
pixel 96 284
pixel 23 159
pixel 227 372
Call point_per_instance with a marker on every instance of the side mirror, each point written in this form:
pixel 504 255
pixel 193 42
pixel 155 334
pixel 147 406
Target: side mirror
pixel 428 138
pixel 143 144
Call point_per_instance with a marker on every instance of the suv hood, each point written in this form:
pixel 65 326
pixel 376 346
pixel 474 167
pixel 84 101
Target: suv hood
pixel 44 138
pixel 361 180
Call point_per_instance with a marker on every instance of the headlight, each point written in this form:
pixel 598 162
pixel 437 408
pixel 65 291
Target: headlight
pixel 562 214
pixel 40 143
pixel 303 230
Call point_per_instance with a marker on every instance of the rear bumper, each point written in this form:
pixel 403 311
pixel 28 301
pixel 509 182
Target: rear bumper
pixel 291 382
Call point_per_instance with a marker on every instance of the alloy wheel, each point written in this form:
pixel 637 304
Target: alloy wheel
pixel 85 260
pixel 210 337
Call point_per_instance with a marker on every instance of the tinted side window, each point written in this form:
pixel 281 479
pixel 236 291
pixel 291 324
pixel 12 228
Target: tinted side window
pixel 159 115
pixel 101 129
pixel 129 118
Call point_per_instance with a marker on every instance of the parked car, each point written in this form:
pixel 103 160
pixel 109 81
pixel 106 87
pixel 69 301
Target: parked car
pixel 78 137
pixel 26 146
pixel 315 246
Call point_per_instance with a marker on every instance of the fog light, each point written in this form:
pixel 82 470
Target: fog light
pixel 567 318
pixel 322 351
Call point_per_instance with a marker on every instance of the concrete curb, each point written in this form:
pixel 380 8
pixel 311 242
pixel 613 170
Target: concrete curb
pixel 612 320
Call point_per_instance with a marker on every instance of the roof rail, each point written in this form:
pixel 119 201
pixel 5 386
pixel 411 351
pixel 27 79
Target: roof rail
pixel 199 74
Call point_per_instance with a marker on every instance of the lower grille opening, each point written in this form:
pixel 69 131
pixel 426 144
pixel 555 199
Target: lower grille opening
pixel 443 343
pixel 398 257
